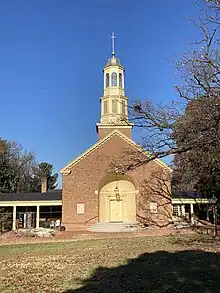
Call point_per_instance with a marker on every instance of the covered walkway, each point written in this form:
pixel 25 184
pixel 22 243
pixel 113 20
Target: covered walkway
pixel 185 207
pixel 30 210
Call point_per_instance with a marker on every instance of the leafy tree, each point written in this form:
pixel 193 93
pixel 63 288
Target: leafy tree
pixel 199 168
pixel 45 171
pixel 1 146
pixel 7 174
pixel 198 130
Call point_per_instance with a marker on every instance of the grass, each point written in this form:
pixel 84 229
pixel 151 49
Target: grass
pixel 145 264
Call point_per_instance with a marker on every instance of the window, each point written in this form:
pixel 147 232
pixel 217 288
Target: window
pixel 175 210
pixel 114 106
pixel 107 80
pixel 105 110
pixel 80 208
pixel 123 107
pixel 178 210
pixel 120 80
pixel 114 79
pixel 153 207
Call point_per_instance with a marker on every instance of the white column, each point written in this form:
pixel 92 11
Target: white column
pixel 207 212
pixel 179 210
pixel 38 217
pixel 192 214
pixel 183 210
pixel 14 218
pixel 126 108
pixel 102 107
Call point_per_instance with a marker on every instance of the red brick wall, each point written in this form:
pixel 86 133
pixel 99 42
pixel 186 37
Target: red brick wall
pixel 153 183
pixel 80 185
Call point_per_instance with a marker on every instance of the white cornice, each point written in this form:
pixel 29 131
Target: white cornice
pixel 102 125
pixel 18 203
pixel 66 170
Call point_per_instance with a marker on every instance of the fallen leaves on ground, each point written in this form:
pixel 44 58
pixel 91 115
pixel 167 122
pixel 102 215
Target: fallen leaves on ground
pixel 56 267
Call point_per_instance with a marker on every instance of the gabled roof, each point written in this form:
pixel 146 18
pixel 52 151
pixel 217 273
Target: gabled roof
pixel 66 169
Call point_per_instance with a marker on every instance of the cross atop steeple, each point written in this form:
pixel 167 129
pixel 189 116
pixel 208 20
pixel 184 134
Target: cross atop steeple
pixel 113 44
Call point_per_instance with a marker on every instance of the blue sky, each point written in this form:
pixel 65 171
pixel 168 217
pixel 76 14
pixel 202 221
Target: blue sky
pixel 51 58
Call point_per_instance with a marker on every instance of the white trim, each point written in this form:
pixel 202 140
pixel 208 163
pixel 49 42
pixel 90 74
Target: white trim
pixel 66 170
pixel 102 125
pixel 30 203
pixel 59 202
pixel 191 200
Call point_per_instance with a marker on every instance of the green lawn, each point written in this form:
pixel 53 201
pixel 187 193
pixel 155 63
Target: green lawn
pixel 147 264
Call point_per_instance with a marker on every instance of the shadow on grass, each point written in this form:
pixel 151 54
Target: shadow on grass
pixel 159 272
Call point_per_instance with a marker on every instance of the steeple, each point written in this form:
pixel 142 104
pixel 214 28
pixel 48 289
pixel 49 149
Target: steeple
pixel 114 110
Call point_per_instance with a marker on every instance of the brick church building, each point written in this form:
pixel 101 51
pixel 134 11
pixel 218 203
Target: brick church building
pixel 96 193
pixel 107 188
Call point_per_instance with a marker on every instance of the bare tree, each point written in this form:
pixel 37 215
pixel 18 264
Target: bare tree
pixel 199 68
pixel 20 172
pixel 155 199
pixel 22 164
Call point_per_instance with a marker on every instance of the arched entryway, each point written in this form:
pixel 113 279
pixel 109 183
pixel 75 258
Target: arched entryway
pixel 117 199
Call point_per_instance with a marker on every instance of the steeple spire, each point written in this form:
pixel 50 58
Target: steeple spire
pixel 113 44
pixel 114 103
